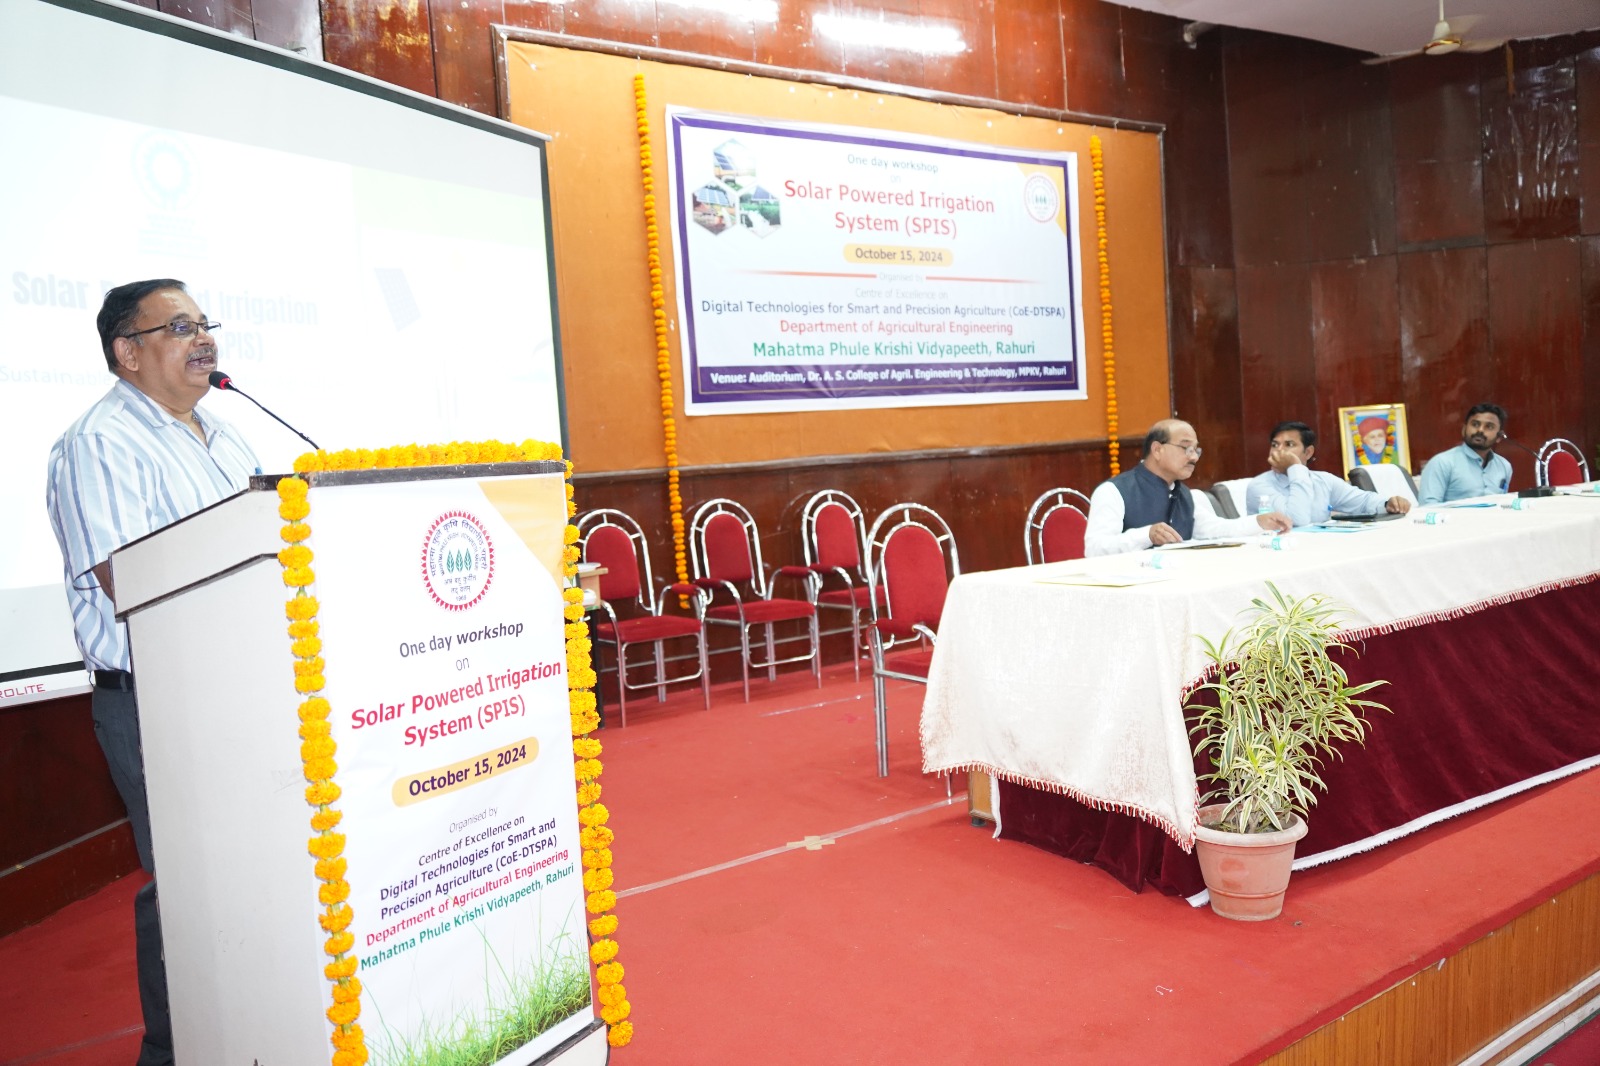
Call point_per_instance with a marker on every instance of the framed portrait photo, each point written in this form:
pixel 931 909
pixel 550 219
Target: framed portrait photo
pixel 1374 433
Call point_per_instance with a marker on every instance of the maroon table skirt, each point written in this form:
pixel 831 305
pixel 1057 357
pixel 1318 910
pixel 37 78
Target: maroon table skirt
pixel 1479 702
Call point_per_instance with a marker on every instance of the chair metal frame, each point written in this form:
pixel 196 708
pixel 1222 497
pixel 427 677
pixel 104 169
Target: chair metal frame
pixel 1361 477
pixel 887 632
pixel 857 593
pixel 1050 503
pixel 1548 450
pixel 760 583
pixel 651 601
pixel 1230 496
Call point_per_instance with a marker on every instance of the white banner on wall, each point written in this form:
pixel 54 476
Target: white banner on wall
pixel 825 267
pixel 447 672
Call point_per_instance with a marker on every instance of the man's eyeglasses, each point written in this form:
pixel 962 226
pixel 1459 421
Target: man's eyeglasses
pixel 1193 451
pixel 182 327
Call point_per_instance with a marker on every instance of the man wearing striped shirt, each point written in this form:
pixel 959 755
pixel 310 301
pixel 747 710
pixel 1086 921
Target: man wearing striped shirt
pixel 141 458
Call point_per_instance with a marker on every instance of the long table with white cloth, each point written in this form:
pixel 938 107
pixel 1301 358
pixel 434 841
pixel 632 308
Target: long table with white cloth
pixel 1484 622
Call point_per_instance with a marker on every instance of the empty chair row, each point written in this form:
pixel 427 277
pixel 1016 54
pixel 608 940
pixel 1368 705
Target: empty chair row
pixel 732 586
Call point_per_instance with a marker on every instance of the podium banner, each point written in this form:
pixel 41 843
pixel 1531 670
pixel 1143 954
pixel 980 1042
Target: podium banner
pixel 824 267
pixel 441 612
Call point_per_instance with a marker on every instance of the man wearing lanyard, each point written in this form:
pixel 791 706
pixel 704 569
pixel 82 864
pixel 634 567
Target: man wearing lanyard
pixel 141 458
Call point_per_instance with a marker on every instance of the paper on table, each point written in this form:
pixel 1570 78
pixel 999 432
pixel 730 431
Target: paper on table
pixel 1191 545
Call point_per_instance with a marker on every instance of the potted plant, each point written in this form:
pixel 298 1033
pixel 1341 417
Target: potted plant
pixel 1278 706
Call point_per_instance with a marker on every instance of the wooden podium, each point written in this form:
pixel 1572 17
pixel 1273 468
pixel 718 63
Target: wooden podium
pixel 204 602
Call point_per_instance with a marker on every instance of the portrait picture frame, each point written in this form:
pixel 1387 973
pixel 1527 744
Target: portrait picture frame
pixel 1358 427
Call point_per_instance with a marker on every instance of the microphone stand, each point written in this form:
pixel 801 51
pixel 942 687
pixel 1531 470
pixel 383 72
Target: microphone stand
pixel 222 381
pixel 1533 491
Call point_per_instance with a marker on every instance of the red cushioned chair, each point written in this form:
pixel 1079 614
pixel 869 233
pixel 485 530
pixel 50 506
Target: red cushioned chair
pixel 1056 524
pixel 616 542
pixel 1561 462
pixel 832 534
pixel 911 555
pixel 725 546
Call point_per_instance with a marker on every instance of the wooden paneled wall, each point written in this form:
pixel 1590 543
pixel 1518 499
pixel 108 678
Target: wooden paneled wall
pixel 64 831
pixel 1454 1008
pixel 1425 231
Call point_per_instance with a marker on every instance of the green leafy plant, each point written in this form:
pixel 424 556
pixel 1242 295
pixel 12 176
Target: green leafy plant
pixel 1280 703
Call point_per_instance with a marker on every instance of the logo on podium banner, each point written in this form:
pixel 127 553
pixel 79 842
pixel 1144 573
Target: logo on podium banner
pixel 457 560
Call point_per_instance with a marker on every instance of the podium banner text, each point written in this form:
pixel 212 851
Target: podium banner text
pixel 441 615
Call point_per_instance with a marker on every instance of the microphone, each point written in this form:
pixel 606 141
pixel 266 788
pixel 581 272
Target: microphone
pixel 219 380
pixel 1509 439
pixel 1532 491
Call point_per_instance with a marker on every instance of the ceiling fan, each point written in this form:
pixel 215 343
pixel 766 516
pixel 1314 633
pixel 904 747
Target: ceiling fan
pixel 1449 35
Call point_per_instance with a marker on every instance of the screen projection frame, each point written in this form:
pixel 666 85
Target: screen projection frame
pixel 29 675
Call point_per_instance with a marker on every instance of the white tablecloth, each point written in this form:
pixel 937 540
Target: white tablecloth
pixel 1079 690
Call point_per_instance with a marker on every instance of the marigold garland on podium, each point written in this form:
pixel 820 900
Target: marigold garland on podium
pixel 429 728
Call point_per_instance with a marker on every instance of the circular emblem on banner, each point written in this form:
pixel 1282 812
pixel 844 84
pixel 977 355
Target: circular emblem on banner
pixel 164 170
pixel 457 560
pixel 1039 196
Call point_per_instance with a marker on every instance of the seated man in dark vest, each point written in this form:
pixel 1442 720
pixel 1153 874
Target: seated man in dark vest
pixel 1150 505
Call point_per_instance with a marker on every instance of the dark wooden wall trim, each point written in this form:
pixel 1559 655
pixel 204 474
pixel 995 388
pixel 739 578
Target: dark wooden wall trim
pixel 63 829
pixel 815 77
pixel 612 477
pixel 983 494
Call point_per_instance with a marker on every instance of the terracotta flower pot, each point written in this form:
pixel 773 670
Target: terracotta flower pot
pixel 1246 873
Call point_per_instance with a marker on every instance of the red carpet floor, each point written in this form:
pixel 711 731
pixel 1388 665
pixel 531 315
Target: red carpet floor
pixel 782 904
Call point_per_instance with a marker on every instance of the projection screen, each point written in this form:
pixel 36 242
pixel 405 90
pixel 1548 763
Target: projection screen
pixel 380 262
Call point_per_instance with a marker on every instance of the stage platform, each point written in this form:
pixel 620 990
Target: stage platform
pixel 782 904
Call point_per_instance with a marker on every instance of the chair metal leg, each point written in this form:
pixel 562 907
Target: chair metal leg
pixel 744 657
pixel 772 655
pixel 661 673
pixel 705 670
pixel 816 650
pixel 622 681
pixel 855 639
pixel 880 702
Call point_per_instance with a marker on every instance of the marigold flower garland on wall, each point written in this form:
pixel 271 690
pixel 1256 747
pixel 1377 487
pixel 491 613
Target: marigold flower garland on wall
pixel 658 311
pixel 1107 338
pixel 318 749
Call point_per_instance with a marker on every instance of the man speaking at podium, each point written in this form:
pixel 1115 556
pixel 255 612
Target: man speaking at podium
pixel 141 458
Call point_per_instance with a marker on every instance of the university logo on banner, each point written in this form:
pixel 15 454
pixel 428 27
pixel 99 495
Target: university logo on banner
pixel 457 560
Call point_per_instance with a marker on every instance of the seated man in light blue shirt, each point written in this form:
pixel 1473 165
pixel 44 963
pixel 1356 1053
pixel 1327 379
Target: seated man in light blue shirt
pixel 1471 468
pixel 1309 496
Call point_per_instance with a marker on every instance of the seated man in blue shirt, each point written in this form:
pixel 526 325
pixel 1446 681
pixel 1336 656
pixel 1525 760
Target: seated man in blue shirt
pixel 1471 468
pixel 1309 496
